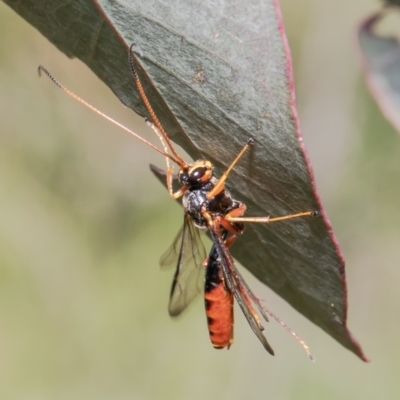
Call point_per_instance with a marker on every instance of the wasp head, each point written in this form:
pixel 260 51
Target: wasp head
pixel 196 174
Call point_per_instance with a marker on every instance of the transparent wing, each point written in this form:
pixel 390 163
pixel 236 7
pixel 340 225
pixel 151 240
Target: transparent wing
pixel 171 256
pixel 236 284
pixel 188 253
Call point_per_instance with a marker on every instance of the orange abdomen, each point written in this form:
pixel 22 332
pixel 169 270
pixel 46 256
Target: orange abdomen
pixel 219 306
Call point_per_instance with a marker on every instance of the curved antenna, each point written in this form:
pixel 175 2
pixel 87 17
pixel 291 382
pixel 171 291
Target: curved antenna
pixel 86 104
pixel 153 115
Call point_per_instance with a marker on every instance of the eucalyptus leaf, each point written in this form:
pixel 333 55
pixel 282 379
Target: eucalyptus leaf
pixel 218 73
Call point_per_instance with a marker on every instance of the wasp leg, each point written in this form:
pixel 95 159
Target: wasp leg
pixel 267 220
pixel 170 170
pixel 219 187
pixel 178 193
pixel 235 229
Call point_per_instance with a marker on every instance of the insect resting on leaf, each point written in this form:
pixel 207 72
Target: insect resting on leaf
pixel 207 205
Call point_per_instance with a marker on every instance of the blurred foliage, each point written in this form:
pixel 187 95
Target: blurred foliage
pixel 379 50
pixel 392 2
pixel 83 305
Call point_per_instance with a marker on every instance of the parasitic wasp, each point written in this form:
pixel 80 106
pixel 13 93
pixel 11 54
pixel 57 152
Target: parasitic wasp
pixel 207 205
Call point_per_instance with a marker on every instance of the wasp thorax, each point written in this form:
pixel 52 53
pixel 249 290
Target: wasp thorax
pixel 198 174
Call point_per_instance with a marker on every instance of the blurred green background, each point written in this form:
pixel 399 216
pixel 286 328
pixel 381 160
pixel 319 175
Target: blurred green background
pixel 83 304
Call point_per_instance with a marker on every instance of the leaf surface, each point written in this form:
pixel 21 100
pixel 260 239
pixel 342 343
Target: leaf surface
pixel 217 73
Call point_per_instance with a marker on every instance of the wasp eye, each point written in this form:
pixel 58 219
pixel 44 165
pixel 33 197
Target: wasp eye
pixel 183 177
pixel 197 174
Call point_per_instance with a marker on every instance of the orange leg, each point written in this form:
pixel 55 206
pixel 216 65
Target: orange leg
pixel 219 187
pixel 229 226
pixel 170 170
pixel 267 220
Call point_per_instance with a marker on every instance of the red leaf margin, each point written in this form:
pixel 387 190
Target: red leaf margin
pixel 290 78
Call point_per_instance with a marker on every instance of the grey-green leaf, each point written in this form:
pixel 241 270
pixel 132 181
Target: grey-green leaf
pixel 218 73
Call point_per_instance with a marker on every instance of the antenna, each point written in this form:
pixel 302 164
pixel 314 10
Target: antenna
pixel 86 104
pixel 153 115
